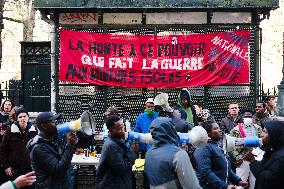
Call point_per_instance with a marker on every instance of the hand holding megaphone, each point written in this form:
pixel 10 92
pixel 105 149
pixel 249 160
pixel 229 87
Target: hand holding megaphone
pixel 230 143
pixel 162 101
pixel 72 138
pixel 197 137
pixel 139 137
pixel 86 123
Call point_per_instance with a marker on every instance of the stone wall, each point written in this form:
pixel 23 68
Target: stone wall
pixel 12 34
pixel 272 48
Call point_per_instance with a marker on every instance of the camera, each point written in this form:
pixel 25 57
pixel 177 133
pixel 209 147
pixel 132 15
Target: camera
pixel 4 119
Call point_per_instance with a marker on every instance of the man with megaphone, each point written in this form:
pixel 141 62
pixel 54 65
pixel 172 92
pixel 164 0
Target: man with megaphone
pixel 49 165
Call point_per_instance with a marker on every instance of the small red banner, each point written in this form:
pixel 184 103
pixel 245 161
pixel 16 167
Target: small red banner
pixel 153 61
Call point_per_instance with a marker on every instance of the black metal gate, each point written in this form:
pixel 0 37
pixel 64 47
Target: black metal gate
pixel 35 83
pixel 74 98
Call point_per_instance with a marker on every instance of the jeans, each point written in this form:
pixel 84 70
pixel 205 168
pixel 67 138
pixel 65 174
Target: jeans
pixel 71 176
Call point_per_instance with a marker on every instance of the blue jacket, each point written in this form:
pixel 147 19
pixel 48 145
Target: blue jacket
pixel 115 166
pixel 143 122
pixel 166 165
pixel 213 167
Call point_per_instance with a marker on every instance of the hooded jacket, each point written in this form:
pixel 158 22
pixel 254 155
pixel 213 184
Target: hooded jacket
pixel 189 109
pixel 13 151
pixel 50 166
pixel 269 172
pixel 166 165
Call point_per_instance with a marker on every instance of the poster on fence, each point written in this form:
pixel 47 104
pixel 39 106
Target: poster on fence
pixel 154 61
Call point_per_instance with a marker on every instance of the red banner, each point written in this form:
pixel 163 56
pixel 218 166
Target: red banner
pixel 154 61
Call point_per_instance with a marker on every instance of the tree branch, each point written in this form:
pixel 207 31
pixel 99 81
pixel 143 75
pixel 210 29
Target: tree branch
pixel 13 20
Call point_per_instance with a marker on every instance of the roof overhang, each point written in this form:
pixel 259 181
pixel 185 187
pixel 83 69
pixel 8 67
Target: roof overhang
pixel 153 5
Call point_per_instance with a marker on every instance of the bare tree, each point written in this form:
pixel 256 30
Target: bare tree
pixel 25 15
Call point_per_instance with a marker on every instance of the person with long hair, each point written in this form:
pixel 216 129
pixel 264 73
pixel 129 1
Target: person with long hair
pixel 7 114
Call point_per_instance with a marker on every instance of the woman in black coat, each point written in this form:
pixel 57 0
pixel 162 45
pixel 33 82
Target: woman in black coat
pixel 269 172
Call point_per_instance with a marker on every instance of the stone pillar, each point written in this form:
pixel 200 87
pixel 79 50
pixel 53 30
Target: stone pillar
pixel 1 27
pixel 280 100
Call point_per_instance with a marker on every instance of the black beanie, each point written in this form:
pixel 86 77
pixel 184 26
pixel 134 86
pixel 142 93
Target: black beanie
pixel 21 110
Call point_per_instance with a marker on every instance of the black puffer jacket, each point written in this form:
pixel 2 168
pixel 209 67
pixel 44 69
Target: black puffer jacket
pixel 50 166
pixel 269 172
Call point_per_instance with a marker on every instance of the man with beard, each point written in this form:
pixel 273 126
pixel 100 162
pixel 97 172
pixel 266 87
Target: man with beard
pixel 49 165
pixel 261 115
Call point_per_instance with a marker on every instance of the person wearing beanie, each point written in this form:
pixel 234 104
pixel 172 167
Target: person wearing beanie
pixel 13 154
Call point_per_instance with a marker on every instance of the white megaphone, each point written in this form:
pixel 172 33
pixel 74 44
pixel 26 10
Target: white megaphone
pixel 86 123
pixel 230 143
pixel 162 100
pixel 197 136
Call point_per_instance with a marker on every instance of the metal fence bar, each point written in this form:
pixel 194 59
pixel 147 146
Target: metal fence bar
pixel 34 97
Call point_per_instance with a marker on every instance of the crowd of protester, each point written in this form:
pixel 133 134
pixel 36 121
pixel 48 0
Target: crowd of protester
pixel 34 156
